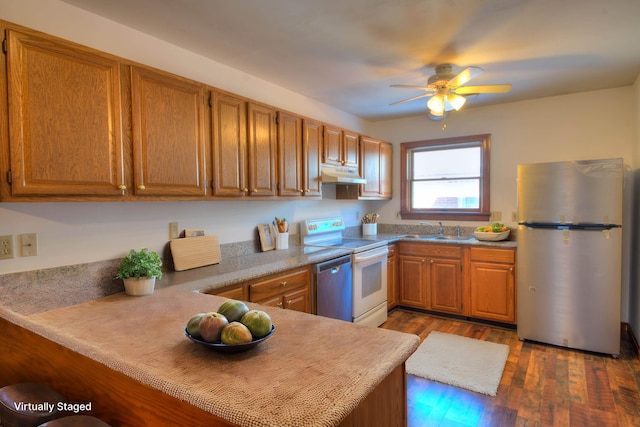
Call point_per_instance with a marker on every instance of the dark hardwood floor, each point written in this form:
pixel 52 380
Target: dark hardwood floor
pixel 542 385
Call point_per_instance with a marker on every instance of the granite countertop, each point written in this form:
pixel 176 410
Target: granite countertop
pixel 316 370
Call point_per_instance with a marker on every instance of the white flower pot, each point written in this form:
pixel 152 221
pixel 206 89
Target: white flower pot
pixel 139 287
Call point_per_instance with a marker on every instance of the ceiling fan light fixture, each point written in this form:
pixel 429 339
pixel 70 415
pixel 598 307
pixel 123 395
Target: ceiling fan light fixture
pixel 436 105
pixel 456 101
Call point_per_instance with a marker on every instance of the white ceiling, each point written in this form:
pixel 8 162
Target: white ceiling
pixel 346 53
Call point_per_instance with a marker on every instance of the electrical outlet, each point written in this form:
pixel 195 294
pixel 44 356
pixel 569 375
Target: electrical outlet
pixel 29 244
pixel 514 216
pixel 398 214
pixel 6 247
pixel 174 232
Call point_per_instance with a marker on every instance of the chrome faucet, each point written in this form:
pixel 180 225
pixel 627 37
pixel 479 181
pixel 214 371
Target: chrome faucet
pixel 441 229
pixel 458 230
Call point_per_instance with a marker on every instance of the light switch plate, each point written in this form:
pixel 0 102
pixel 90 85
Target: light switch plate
pixel 29 244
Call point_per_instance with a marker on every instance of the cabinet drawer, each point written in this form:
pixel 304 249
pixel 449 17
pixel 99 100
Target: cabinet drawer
pixel 392 251
pixel 422 249
pixel 493 255
pixel 278 284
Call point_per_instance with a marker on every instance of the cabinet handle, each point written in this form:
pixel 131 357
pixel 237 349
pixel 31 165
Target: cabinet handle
pixel 122 187
pixel 289 303
pixel 422 261
pixel 244 190
pixel 431 261
pixel 255 190
pixel 283 283
pixel 511 269
pixel 141 187
pixel 301 191
pixel 280 304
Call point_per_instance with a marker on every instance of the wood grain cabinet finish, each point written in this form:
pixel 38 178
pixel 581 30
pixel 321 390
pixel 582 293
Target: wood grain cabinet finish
pixel 375 167
pixel 65 134
pixel 393 291
pixel 290 154
pixel 229 145
pixel 262 148
pixel 492 284
pixel 311 157
pixel 168 124
pixel 430 277
pixel 290 290
pixel 85 125
pixel 340 147
pixel 478 282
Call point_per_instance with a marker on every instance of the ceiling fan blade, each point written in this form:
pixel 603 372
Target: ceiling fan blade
pixel 464 76
pixel 413 87
pixel 424 95
pixel 472 90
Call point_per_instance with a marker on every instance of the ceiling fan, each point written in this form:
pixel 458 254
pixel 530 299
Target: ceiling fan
pixel 446 89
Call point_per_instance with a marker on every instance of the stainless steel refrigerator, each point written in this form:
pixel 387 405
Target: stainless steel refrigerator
pixel 569 255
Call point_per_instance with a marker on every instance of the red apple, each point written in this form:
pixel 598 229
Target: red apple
pixel 211 326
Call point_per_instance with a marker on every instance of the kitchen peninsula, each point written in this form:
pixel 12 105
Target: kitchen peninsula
pixel 129 358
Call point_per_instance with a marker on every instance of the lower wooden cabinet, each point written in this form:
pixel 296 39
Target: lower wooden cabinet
pixel 290 290
pixel 393 291
pixel 477 282
pixel 492 290
pixel 431 276
pixel 236 292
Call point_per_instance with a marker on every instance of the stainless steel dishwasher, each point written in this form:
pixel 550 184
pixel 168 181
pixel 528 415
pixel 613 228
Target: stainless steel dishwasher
pixel 334 288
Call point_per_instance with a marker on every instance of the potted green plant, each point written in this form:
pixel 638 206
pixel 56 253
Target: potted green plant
pixel 139 270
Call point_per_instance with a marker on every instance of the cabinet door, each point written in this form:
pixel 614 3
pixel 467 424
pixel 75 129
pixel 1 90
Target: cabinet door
pixel 370 167
pixel 332 146
pixel 413 281
pixel 386 161
pixel 64 119
pixel 350 148
pixel 168 134
pixel 311 157
pixel 261 144
pixel 493 291
pixel 289 155
pixel 393 293
pixel 446 285
pixel 299 300
pixel 229 153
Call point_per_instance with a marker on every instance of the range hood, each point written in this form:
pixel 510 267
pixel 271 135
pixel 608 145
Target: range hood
pixel 341 175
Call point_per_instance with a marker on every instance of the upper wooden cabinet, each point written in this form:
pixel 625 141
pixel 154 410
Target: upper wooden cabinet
pixel 244 147
pixel 375 167
pixel 65 134
pixel 340 147
pixel 168 126
pixel 311 157
pixel 229 145
pixel 83 125
pixel 290 154
pixel 262 148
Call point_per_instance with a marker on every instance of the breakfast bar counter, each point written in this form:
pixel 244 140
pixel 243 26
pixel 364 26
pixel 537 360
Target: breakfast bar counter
pixel 129 357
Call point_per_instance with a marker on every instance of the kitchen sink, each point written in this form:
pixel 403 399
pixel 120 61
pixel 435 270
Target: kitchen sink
pixel 432 237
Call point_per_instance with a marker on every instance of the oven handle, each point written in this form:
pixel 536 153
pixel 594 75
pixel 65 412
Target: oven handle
pixel 373 253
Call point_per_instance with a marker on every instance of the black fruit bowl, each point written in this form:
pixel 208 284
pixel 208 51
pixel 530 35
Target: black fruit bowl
pixel 230 348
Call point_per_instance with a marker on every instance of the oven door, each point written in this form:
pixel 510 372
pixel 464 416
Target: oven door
pixel 369 282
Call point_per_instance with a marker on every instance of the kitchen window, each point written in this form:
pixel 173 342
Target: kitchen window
pixel 445 179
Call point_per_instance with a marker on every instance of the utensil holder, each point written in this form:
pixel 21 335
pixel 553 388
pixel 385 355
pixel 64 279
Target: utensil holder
pixel 282 240
pixel 369 229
